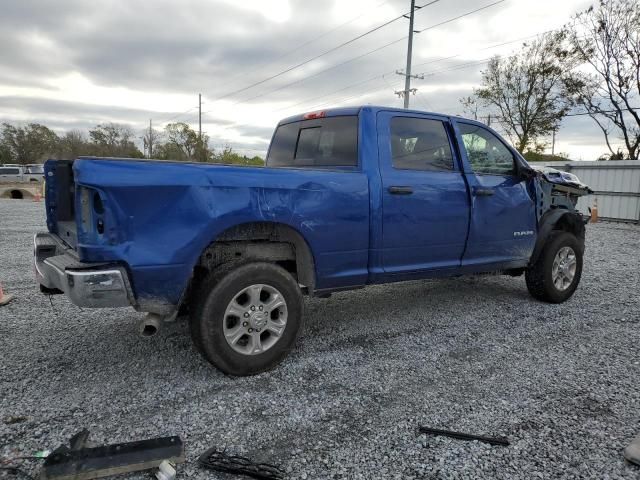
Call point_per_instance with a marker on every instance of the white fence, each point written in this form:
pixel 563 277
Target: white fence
pixel 616 184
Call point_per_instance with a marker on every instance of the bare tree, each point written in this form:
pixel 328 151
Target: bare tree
pixel 470 106
pixel 151 139
pixel 73 144
pixel 527 90
pixel 607 40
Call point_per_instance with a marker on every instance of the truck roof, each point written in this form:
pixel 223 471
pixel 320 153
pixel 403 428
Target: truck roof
pixel 341 111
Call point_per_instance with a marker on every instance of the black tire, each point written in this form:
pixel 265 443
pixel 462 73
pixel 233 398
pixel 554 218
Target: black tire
pixel 208 319
pixel 539 276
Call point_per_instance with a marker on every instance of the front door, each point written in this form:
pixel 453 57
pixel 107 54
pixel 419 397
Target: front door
pixel 502 230
pixel 424 196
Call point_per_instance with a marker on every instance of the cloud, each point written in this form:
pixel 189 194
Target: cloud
pixel 72 63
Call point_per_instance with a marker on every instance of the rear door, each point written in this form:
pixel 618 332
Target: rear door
pixel 424 196
pixel 503 221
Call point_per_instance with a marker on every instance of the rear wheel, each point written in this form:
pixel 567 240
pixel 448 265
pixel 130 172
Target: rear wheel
pixel 248 320
pixel 556 274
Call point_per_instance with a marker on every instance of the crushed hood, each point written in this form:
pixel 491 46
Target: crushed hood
pixel 562 181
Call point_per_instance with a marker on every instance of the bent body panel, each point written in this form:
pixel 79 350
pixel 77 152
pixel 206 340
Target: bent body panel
pixel 166 214
pixel 156 218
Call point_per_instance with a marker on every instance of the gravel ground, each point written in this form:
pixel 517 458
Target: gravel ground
pixel 470 354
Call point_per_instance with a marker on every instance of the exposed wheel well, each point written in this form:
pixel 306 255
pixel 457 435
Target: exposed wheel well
pixel 571 224
pixel 558 220
pixel 259 241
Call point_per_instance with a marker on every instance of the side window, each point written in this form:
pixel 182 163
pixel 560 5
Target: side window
pixel 316 143
pixel 420 144
pixel 486 153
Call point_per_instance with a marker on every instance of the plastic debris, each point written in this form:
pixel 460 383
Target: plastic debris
pixel 166 471
pixel 4 298
pixel 632 452
pixel 223 462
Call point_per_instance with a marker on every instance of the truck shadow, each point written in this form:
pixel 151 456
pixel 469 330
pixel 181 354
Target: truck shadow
pixel 382 312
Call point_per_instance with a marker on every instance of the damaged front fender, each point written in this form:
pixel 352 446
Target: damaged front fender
pixel 557 193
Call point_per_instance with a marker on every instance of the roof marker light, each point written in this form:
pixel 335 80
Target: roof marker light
pixel 312 115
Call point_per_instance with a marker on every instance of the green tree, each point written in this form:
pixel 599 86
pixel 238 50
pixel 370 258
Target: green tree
pixel 31 143
pixel 183 144
pixel 606 41
pixel 113 140
pixel 5 154
pixel 527 90
pixel 229 157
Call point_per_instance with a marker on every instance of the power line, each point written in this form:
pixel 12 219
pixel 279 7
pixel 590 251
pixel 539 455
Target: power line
pixel 460 16
pixel 484 48
pixel 309 42
pixel 577 114
pixel 306 101
pixel 457 67
pixel 326 52
pixel 375 50
pixel 362 55
pixel 462 66
pixel 331 93
pixel 366 92
pixel 177 115
pixel 304 79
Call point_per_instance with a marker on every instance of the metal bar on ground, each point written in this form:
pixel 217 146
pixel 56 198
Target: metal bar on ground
pixel 465 436
pixel 88 463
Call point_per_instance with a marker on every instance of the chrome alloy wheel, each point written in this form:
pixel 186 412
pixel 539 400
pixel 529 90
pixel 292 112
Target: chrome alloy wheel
pixel 564 268
pixel 255 319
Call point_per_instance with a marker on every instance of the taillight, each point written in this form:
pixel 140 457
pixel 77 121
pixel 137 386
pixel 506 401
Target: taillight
pixel 92 212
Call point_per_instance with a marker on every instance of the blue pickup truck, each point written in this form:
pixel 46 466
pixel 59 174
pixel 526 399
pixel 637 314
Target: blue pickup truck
pixel 349 197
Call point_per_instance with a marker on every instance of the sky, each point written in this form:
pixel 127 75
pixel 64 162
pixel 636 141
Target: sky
pixel 72 64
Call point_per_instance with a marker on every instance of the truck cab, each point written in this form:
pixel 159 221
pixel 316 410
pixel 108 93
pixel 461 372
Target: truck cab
pixel 349 197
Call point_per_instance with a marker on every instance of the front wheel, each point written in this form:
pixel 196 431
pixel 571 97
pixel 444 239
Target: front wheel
pixel 556 273
pixel 248 320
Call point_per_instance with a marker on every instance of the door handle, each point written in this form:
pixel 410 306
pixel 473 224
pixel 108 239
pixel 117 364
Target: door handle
pixel 483 192
pixel 400 190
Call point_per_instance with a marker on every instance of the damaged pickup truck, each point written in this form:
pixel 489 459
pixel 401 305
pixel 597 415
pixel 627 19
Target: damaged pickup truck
pixel 349 197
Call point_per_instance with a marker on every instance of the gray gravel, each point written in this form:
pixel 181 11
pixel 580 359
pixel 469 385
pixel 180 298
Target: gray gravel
pixel 471 354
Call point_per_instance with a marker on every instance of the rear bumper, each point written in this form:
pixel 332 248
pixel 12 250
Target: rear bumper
pixel 92 285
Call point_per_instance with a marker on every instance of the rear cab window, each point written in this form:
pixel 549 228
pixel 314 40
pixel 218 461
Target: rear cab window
pixel 329 142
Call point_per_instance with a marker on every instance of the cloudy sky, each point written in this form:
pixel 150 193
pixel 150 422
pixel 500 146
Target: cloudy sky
pixel 72 64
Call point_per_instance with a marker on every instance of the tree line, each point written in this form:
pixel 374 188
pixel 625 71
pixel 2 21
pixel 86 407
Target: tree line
pixel 589 67
pixel 34 143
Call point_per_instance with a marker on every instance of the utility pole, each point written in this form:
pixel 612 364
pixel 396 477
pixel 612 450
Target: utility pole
pixel 150 138
pixel 200 116
pixel 553 143
pixel 407 73
pixel 200 125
